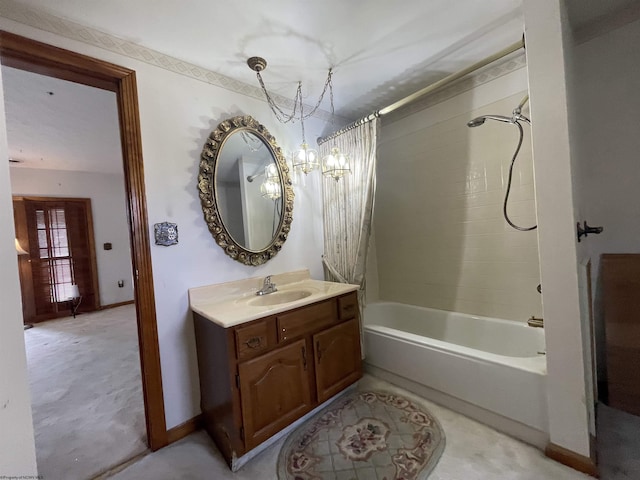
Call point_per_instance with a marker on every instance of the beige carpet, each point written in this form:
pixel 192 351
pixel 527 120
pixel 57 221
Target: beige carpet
pixel 86 393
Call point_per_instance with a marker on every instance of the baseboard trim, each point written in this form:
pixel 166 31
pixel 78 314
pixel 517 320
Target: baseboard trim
pixel 180 431
pixel 114 305
pixel 571 459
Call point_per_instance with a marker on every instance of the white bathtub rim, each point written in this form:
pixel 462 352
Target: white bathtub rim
pixel 520 323
pixel 537 365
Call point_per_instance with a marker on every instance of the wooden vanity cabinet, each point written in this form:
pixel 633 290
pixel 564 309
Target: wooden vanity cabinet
pixel 337 358
pixel 274 391
pixel 259 377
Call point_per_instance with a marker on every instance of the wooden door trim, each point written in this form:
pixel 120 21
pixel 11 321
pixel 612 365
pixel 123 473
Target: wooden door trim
pixel 26 54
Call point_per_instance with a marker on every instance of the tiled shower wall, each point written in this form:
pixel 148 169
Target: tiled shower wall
pixel 441 240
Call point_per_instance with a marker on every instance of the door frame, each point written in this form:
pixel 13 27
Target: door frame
pixel 26 54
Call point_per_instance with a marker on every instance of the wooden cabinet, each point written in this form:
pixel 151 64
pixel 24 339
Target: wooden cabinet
pixel 261 376
pixel 274 391
pixel 337 358
pixel 620 274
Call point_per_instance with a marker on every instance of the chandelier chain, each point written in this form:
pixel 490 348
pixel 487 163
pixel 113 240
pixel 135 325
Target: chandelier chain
pixel 304 141
pixel 284 117
pixel 327 84
pixel 333 113
pixel 277 111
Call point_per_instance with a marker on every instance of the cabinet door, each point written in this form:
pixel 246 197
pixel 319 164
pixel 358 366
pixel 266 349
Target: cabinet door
pixel 337 358
pixel 274 391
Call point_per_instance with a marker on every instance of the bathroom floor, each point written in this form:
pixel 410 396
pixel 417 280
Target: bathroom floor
pixel 618 444
pixel 473 451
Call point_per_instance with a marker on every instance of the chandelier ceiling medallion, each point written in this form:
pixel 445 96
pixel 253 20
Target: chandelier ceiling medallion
pixel 305 159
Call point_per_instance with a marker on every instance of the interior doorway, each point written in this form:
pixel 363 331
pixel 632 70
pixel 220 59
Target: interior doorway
pixel 26 54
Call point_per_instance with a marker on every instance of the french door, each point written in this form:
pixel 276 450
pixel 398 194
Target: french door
pixel 58 237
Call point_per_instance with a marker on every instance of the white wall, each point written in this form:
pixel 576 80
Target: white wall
pixel 229 197
pixel 441 238
pixel 17 448
pixel 546 34
pixel 606 105
pixel 177 113
pixel 108 205
pixel 259 214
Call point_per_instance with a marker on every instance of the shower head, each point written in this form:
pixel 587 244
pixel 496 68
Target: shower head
pixel 476 122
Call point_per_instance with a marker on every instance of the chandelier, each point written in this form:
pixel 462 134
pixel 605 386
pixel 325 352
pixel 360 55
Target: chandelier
pixel 336 164
pixel 270 188
pixel 305 159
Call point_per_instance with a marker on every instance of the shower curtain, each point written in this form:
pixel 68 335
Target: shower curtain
pixel 348 208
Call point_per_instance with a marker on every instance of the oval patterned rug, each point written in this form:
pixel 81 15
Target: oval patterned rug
pixel 372 434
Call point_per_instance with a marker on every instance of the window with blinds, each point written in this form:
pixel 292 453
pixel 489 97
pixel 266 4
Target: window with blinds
pixel 61 254
pixel 55 257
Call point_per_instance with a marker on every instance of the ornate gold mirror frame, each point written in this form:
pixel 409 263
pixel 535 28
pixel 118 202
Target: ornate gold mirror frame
pixel 207 189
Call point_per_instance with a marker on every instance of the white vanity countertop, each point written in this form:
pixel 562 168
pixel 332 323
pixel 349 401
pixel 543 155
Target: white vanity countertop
pixel 232 303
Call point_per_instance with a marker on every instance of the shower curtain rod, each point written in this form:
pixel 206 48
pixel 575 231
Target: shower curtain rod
pixel 428 89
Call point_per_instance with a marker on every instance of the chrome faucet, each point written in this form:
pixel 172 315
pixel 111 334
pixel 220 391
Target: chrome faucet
pixel 267 286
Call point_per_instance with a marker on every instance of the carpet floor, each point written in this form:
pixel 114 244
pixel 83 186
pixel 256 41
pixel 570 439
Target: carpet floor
pixel 473 452
pixel 86 393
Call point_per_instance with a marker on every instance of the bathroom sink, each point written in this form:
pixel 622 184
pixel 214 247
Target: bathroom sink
pixel 279 298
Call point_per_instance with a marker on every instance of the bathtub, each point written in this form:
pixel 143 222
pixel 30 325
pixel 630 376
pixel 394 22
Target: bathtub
pixel 490 369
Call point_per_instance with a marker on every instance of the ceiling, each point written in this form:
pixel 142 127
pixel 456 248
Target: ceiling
pixel 60 125
pixel 584 12
pixel 380 53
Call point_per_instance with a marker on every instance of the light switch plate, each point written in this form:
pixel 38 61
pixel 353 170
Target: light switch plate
pixel 166 233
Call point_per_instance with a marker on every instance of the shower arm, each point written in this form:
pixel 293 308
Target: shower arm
pixel 517 112
pixel 251 178
pixel 521 105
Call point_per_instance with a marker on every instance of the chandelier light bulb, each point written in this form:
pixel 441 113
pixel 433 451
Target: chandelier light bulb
pixel 271 189
pixel 306 160
pixel 336 164
pixel 271 173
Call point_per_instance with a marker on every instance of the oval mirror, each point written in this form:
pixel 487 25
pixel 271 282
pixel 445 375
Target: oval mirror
pixel 245 190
